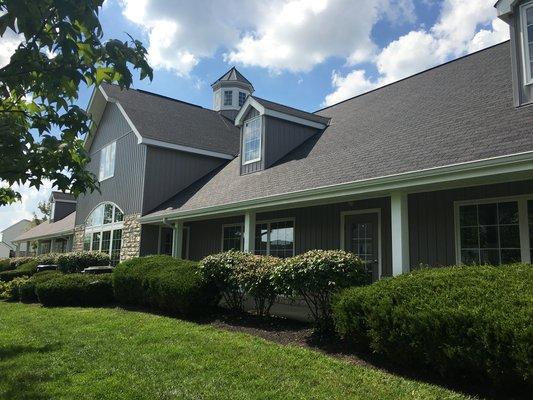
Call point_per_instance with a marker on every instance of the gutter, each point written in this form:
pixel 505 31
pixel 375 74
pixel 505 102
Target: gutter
pixel 518 162
pixel 51 236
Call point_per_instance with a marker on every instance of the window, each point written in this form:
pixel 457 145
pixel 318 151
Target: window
pixel 251 147
pixel 526 12
pixel 242 98
pixel 107 161
pixel 232 237
pixel 275 238
pixel 103 231
pixel 489 233
pixel 228 97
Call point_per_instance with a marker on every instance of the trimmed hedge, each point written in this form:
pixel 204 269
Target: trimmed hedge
pixel 27 269
pixel 469 321
pixel 27 293
pixel 78 261
pixel 5 265
pixel 76 290
pixel 317 275
pixel 165 283
pixel 10 290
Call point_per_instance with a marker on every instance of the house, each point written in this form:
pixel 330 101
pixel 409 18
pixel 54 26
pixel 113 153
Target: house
pixel 434 169
pixel 7 247
pixel 54 235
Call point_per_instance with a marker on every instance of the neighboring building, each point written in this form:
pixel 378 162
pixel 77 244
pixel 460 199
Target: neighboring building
pixel 434 169
pixel 7 247
pixel 56 234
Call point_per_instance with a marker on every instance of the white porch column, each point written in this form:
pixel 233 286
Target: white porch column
pixel 52 243
pixel 400 233
pixel 177 239
pixel 249 231
pixel 17 249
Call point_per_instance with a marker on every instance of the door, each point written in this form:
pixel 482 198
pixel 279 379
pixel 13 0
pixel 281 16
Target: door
pixel 361 236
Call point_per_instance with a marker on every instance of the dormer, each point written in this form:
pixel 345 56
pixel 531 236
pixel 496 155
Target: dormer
pixel 230 92
pixel 269 131
pixel 62 204
pixel 519 15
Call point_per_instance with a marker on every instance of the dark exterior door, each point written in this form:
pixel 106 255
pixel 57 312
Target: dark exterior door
pixel 361 236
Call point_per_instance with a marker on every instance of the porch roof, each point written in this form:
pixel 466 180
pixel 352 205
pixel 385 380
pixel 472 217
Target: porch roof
pixel 457 113
pixel 50 230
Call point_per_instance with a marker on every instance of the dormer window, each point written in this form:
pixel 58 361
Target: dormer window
pixel 228 97
pixel 107 161
pixel 242 98
pixel 251 146
pixel 526 11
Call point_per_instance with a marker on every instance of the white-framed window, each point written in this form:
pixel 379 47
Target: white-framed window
pixel 107 161
pixel 103 231
pixel 232 237
pixel 275 238
pixel 228 97
pixel 251 140
pixel 526 16
pixel 494 231
pixel 242 98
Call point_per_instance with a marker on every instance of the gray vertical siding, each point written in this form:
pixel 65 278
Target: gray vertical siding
pixel 125 188
pixel 431 219
pixel 522 93
pixel 170 171
pixel 62 209
pixel 206 236
pixel 149 240
pixel 283 136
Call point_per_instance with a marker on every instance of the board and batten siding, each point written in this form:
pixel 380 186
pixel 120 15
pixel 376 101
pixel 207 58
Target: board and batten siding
pixel 170 171
pixel 205 237
pixel 431 219
pixel 125 188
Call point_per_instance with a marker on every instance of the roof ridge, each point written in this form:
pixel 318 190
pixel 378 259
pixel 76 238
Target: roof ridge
pixel 281 104
pixel 168 98
pixel 413 75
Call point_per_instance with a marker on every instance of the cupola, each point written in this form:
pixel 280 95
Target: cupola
pixel 230 92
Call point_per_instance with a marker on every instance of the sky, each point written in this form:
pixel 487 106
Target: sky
pixel 308 54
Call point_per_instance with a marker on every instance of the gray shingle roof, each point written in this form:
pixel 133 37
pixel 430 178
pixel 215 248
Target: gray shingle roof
pixel 48 229
pixel 291 110
pixel 62 196
pixel 173 121
pixel 233 75
pixel 459 112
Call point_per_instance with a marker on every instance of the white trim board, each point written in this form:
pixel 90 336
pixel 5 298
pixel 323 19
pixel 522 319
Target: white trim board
pixel 413 180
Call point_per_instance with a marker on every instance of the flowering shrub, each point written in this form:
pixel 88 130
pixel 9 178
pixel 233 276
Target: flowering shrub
pixel 317 275
pixel 79 260
pixel 255 277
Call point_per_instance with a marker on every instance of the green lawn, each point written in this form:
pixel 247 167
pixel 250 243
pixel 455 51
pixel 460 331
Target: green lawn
pixel 84 353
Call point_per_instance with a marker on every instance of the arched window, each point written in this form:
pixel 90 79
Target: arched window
pixel 103 231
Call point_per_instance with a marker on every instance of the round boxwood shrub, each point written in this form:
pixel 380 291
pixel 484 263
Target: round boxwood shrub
pixel 27 293
pixel 27 269
pixel 76 290
pixel 317 275
pixel 472 321
pixel 79 260
pixel 166 283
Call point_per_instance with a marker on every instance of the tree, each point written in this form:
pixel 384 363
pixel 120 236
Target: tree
pixel 45 207
pixel 41 127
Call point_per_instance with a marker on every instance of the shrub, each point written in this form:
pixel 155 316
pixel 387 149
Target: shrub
pixel 474 322
pixel 256 280
pixel 27 292
pixel 10 290
pixel 317 275
pixel 78 261
pixel 75 290
pixel 5 264
pixel 224 271
pixel 165 283
pixel 18 261
pixel 26 269
pixel 50 258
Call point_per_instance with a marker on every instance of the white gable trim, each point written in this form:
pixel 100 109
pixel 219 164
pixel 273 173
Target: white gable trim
pixel 252 103
pixel 187 149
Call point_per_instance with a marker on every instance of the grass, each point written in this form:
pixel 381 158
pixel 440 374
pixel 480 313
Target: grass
pixel 105 353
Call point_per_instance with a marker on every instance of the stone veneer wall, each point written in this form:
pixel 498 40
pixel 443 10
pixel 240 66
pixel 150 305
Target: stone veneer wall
pixel 131 237
pixel 79 232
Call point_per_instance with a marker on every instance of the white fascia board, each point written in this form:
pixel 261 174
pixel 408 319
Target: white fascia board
pixel 68 232
pixel 513 163
pixel 249 103
pixel 187 149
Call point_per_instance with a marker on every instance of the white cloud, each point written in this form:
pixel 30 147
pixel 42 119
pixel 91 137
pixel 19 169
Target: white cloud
pixel 24 209
pixel 292 35
pixel 461 28
pixel 8 44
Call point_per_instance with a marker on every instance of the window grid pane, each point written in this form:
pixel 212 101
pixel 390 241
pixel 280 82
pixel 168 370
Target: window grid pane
pixel 116 246
pixel 228 97
pixel 252 140
pixel 232 238
pixel 242 98
pixel 489 233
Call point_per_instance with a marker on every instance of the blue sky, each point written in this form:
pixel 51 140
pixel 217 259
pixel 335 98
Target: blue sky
pixel 303 53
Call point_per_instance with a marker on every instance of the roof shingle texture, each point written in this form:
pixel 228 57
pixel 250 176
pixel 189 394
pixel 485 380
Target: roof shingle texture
pixel 459 112
pixel 173 121
pixel 63 196
pixel 291 111
pixel 64 226
pixel 233 75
